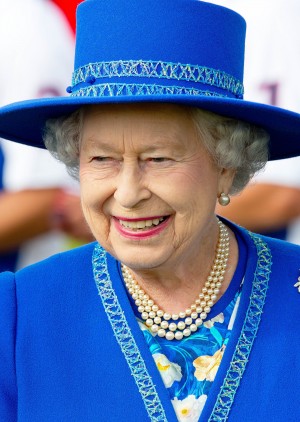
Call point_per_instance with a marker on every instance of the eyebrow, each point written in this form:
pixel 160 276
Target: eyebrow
pixel 165 142
pixel 160 142
pixel 94 144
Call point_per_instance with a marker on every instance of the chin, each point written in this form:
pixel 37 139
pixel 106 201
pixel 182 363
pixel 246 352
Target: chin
pixel 139 259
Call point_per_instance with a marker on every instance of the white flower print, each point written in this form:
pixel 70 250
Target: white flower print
pixel 169 371
pixel 234 312
pixel 298 284
pixel 189 409
pixel 210 323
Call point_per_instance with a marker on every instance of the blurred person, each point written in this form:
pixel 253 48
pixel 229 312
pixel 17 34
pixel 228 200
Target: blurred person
pixel 173 314
pixel 69 9
pixel 37 218
pixel 271 203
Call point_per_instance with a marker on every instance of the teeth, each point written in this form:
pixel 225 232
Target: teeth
pixel 141 224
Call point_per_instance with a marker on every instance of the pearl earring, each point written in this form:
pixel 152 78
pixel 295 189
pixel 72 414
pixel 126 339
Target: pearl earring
pixel 224 199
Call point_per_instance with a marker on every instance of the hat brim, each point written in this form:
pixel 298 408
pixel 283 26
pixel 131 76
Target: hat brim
pixel 24 121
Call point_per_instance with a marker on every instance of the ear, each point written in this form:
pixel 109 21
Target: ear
pixel 225 180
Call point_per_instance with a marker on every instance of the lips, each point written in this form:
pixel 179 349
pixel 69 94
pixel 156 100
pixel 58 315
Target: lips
pixel 136 227
pixel 141 224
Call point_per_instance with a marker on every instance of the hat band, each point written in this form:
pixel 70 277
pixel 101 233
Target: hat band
pixel 88 74
pixel 115 90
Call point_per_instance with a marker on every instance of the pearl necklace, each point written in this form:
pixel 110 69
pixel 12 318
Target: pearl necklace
pixel 158 321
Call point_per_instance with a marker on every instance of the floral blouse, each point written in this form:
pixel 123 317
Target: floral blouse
pixel 189 366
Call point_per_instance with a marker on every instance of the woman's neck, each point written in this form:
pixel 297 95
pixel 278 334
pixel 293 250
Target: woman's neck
pixel 174 288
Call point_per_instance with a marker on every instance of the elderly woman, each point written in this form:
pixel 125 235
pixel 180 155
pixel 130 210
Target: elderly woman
pixel 172 314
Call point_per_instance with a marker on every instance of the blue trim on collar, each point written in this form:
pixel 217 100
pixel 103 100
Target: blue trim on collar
pixel 125 338
pixel 248 333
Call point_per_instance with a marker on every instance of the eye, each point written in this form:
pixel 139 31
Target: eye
pixel 101 159
pixel 158 159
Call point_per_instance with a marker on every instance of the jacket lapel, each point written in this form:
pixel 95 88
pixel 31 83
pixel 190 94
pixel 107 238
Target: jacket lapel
pixel 234 363
pixel 130 338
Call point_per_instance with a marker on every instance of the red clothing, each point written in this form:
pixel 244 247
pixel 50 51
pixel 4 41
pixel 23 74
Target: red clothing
pixel 69 9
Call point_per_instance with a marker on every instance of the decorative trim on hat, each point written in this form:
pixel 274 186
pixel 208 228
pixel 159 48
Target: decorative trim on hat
pixel 115 90
pixel 159 70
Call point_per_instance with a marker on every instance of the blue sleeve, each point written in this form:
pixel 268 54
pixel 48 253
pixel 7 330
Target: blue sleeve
pixel 8 316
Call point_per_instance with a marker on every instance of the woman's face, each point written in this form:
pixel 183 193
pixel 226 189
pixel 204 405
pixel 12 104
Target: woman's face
pixel 148 185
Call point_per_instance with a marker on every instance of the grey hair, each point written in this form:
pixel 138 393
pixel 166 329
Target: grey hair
pixel 233 144
pixel 62 137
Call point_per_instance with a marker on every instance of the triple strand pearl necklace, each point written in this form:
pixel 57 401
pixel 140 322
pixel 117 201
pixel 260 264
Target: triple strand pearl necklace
pixel 158 321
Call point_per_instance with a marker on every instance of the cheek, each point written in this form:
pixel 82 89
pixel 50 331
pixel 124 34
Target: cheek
pixel 193 196
pixel 191 186
pixel 94 189
pixel 97 220
pixel 90 195
pixel 94 194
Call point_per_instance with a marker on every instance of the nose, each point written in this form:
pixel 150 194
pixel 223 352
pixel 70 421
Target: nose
pixel 130 186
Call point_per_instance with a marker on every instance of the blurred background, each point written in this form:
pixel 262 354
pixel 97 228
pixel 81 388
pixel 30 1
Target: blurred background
pixel 40 210
pixel 271 203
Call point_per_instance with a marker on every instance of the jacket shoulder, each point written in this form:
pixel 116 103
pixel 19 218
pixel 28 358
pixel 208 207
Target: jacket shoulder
pixel 283 251
pixel 72 263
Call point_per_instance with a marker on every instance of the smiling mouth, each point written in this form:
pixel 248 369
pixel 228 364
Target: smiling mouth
pixel 141 225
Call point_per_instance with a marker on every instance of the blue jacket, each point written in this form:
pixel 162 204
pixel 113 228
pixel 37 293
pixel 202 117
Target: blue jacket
pixel 68 353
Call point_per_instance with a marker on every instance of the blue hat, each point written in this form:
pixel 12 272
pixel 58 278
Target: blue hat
pixel 188 52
